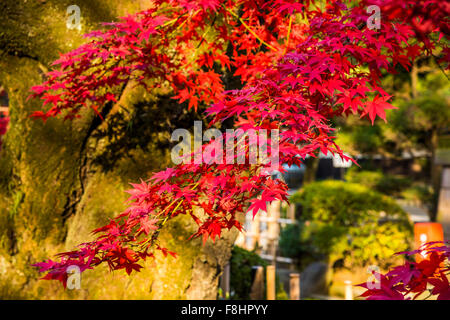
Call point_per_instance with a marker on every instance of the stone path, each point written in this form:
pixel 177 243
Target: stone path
pixel 416 213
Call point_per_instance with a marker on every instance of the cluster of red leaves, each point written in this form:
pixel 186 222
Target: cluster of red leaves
pixel 429 277
pixel 165 45
pixel 4 121
pixel 423 16
pixel 4 118
pixel 326 64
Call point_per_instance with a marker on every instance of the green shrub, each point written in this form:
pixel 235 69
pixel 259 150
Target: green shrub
pixel 419 193
pixel 367 178
pixel 281 294
pixel 349 224
pixel 391 185
pixel 241 264
pixel 295 242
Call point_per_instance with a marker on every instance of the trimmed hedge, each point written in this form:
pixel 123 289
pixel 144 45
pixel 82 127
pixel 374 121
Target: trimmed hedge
pixel 348 224
pixel 391 185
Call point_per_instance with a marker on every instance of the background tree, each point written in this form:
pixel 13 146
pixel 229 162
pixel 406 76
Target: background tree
pixel 423 118
pixel 421 98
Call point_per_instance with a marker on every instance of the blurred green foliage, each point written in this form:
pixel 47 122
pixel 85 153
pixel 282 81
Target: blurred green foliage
pixel 295 242
pixel 415 118
pixel 388 184
pixel 397 186
pixel 419 194
pixel 241 274
pixel 241 264
pixel 347 224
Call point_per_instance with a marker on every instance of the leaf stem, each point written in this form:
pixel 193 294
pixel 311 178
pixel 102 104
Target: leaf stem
pixel 250 29
pixel 288 34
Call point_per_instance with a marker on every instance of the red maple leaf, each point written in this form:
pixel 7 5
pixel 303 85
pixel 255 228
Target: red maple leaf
pixel 148 224
pixel 377 107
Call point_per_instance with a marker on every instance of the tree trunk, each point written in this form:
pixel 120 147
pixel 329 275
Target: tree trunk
pixel 311 164
pixel 414 80
pixel 435 172
pixel 62 179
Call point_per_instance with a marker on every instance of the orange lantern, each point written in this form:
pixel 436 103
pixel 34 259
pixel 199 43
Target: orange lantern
pixel 426 232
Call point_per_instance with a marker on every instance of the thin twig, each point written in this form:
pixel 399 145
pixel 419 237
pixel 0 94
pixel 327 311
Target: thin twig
pixel 250 29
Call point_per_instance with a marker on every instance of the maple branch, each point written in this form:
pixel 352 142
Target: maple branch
pixel 439 66
pixel 206 31
pixel 288 35
pixel 249 29
pixel 156 233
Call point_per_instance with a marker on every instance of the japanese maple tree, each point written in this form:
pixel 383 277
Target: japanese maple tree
pixel 301 63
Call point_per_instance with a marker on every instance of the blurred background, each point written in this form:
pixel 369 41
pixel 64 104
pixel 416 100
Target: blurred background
pixel 345 220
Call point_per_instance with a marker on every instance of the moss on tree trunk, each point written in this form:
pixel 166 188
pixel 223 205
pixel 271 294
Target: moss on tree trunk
pixel 54 188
